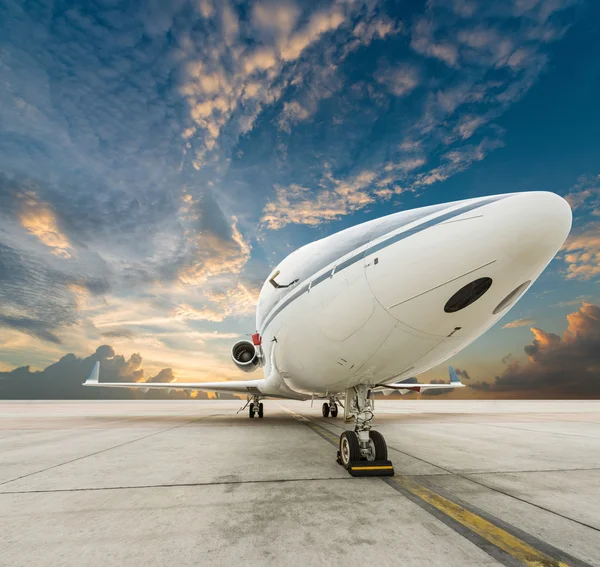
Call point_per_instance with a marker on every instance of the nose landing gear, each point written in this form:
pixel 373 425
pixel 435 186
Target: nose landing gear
pixel 363 452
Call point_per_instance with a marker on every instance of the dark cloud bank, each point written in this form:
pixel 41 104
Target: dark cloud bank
pixel 63 379
pixel 558 367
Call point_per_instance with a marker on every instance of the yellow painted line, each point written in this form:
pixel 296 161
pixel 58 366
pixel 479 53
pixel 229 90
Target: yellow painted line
pixel 382 468
pixel 497 536
pixel 502 539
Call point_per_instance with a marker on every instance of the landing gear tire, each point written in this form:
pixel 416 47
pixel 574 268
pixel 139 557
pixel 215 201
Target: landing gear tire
pixel 362 452
pixel 325 410
pixel 251 411
pixel 260 410
pixel 349 448
pixel 333 410
pixel 379 445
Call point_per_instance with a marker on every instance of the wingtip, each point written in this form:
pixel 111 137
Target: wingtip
pixel 94 375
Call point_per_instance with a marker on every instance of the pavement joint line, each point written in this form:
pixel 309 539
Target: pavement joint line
pixel 467 476
pixel 499 538
pixel 104 450
pixel 176 485
pixel 538 431
pixel 483 473
pixel 540 507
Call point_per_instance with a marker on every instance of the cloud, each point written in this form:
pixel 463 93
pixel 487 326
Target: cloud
pixel 32 327
pixel 577 301
pixel 462 374
pixel 525 322
pixel 399 80
pixel 39 219
pixel 237 301
pixel 293 112
pixel 211 247
pixel 486 65
pixel 225 100
pixel 277 18
pixel 584 196
pixel 455 161
pixel 118 333
pixel 424 42
pixel 581 253
pixel 558 366
pixel 37 298
pixel 380 27
pixel 165 375
pixel 64 378
pixel 319 23
pixel 298 205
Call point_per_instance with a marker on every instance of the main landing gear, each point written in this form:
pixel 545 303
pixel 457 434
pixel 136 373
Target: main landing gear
pixel 330 409
pixel 255 407
pixel 363 452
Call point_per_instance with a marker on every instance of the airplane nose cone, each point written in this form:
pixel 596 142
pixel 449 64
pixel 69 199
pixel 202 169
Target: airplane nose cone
pixel 508 241
pixel 536 224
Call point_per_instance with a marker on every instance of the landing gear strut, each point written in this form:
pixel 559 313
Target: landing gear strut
pixel 330 408
pixel 363 452
pixel 255 408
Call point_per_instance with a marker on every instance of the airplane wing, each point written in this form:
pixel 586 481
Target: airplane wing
pixel 237 387
pixel 414 386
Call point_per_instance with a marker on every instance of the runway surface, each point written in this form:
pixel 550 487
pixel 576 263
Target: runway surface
pixel 192 483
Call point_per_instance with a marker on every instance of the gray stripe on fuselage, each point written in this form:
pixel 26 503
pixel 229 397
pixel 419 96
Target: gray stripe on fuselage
pixel 372 249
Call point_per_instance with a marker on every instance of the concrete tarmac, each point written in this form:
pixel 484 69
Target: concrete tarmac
pixel 477 483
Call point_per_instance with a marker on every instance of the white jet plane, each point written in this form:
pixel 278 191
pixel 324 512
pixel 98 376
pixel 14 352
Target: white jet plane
pixel 372 306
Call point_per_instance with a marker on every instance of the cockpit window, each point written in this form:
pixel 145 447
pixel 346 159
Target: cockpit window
pixel 467 295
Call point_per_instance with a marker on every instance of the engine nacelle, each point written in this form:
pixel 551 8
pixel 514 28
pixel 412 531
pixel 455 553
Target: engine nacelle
pixel 245 356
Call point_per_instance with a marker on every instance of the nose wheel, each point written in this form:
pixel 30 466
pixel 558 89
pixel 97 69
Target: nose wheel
pixel 363 452
pixel 351 450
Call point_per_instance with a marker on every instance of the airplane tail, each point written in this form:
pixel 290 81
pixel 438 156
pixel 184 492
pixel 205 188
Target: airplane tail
pixel 454 379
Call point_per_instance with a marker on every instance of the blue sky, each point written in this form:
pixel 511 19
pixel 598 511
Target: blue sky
pixel 157 158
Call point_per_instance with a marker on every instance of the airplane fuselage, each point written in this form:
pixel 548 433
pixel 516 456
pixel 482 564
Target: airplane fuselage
pixel 390 298
pixel 383 301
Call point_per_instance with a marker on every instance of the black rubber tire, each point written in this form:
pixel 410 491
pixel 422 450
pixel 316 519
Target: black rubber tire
pixel 251 411
pixel 333 410
pixel 350 439
pixel 325 409
pixel 260 410
pixel 380 445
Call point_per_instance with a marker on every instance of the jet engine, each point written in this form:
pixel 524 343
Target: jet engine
pixel 245 356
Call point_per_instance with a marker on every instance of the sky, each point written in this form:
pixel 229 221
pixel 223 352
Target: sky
pixel 157 159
